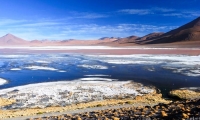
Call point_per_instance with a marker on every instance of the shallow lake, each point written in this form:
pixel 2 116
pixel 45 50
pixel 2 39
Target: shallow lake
pixel 165 72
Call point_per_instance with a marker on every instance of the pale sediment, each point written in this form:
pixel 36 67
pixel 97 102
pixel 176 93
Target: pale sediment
pixel 186 93
pixel 63 96
pixel 71 92
pixel 4 101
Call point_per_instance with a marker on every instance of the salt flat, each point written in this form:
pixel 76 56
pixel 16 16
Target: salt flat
pixel 68 92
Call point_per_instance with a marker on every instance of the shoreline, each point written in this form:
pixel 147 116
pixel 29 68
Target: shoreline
pixel 123 50
pixel 38 97
pixel 148 99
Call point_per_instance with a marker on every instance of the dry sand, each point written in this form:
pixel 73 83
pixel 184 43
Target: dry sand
pixel 184 51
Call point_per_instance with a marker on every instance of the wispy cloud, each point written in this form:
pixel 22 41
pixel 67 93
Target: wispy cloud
pixel 161 11
pixel 59 30
pixel 87 15
pixel 136 11
pixel 184 14
pixel 94 31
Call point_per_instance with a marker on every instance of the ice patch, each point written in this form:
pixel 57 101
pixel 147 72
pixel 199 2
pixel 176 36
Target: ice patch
pixel 13 56
pixel 2 81
pixel 41 68
pixel 61 71
pixel 93 66
pixel 129 62
pixel 41 61
pixel 15 69
pixel 96 79
pixel 191 74
pixel 97 75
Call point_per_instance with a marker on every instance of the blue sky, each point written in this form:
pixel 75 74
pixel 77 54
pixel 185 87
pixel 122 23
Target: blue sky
pixel 92 19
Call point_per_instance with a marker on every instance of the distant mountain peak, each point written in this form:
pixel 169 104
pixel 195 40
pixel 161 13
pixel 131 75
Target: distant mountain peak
pixel 9 35
pixel 10 39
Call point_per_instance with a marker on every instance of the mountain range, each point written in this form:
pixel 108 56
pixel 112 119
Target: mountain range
pixel 186 34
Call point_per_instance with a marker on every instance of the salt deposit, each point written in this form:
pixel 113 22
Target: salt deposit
pixel 15 69
pixel 93 66
pixel 42 61
pixel 97 79
pixel 40 68
pixel 97 75
pixel 2 81
pixel 68 92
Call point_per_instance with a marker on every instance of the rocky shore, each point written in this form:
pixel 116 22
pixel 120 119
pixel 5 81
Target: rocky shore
pixel 147 99
pixel 186 93
pixel 173 111
pixel 145 103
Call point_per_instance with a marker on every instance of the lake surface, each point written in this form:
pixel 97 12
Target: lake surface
pixel 165 72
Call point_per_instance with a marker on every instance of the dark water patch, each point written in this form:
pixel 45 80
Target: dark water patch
pixel 147 74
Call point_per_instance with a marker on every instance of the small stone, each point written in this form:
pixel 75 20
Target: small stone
pixel 164 114
pixel 185 116
pixel 115 118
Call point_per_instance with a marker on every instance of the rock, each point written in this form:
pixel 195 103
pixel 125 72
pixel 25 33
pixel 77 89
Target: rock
pixel 78 118
pixel 115 118
pixel 164 114
pixel 185 94
pixel 185 116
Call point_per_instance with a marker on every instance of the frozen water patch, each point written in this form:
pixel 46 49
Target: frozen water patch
pixel 96 79
pixel 61 71
pixel 14 56
pixel 15 69
pixel 188 71
pixel 93 66
pixel 129 62
pixel 40 68
pixel 191 74
pixel 141 59
pixel 2 81
pixel 97 75
pixel 42 61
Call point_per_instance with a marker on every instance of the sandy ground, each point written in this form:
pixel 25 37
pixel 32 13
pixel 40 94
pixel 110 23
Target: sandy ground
pixel 6 101
pixel 102 50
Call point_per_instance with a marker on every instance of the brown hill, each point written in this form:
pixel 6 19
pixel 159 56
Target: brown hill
pixel 130 39
pixel 187 32
pixel 150 36
pixel 85 42
pixel 10 39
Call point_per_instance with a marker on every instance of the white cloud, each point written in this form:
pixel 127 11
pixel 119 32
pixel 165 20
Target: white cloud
pixel 87 15
pixel 163 9
pixel 136 11
pixel 62 29
pixel 162 12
